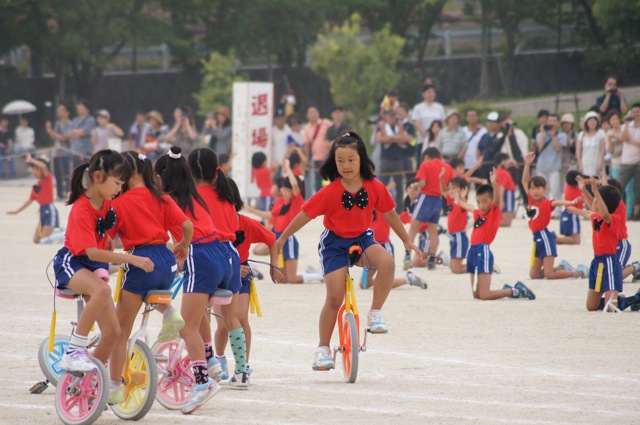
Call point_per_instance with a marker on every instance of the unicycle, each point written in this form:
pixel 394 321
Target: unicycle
pixel 81 397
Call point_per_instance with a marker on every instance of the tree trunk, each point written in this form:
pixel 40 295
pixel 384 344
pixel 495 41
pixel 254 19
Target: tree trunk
pixel 484 50
pixel 592 23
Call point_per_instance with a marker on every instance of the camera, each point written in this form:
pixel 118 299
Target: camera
pixel 547 127
pixel 613 90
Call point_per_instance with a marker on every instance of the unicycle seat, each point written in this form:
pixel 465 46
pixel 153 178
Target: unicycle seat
pixel 221 297
pixel 159 296
pixel 68 294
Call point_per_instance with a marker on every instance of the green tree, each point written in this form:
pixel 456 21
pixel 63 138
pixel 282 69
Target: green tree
pixel 218 76
pixel 359 71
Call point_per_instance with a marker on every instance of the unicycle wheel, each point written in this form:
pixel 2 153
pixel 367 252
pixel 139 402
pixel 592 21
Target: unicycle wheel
pixel 50 361
pixel 176 378
pixel 82 397
pixel 350 348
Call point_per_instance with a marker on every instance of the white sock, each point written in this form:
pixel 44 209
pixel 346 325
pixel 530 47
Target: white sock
pixel 115 386
pixel 166 315
pixel 77 342
pixel 310 277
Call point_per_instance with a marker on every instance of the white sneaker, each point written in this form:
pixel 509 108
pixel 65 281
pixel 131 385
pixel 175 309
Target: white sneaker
pixel 239 381
pixel 323 359
pixel 200 395
pixel 214 368
pixel 77 361
pixel 376 323
pixel 415 280
pixel 170 327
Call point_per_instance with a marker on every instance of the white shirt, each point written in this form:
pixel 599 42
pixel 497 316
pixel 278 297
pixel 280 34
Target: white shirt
pixel 521 140
pixel 280 137
pixel 25 139
pixel 471 156
pixel 631 153
pixel 426 114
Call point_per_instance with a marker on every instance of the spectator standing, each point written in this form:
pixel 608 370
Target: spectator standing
pixel 612 99
pixel 296 135
pixel 550 144
pixel 393 160
pixel 80 133
pixel 62 152
pixel 568 153
pixel 138 132
pixel 515 143
pixel 183 133
pixel 25 137
pixel 614 142
pixel 218 127
pixel 104 131
pixel 433 133
pixel 339 126
pixel 425 113
pixel 488 146
pixel 316 146
pixel 280 137
pixel 590 146
pixel 543 116
pixel 630 164
pixel 452 140
pixel 6 147
pixel 473 132
pixel 410 151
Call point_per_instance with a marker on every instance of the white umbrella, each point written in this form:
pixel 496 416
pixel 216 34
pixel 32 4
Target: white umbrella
pixel 18 107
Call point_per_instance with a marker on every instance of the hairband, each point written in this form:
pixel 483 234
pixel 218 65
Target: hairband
pixel 85 178
pixel 142 157
pixel 174 155
pixel 218 168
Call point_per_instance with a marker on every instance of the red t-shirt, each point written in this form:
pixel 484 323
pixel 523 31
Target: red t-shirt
pixel 343 222
pixel 505 179
pixel 202 225
pixel 605 235
pixel 457 218
pixel 429 171
pixel 143 219
pixel 223 213
pixel 621 225
pixel 296 171
pixel 42 192
pixel 81 232
pixel 571 193
pixel 263 180
pixel 488 225
pixel 280 222
pixel 539 214
pixel 381 228
pixel 254 232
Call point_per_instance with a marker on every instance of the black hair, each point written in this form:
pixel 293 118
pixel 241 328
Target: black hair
pixel 238 203
pixel 543 113
pixel 140 164
pixel 615 183
pixel 286 183
pixel 178 182
pixel 86 104
pixel 223 158
pixel 430 130
pixel 485 189
pixel 294 160
pixel 611 77
pixel 571 178
pixel 611 197
pixel 635 105
pixel 426 87
pixel 611 114
pixel 111 163
pixel 432 153
pixel 537 181
pixel 456 162
pixel 258 159
pixel 555 116
pixel 65 105
pixel 350 139
pixel 403 105
pixel 44 160
pixel 500 156
pixel 205 166
pixel 406 203
pixel 459 182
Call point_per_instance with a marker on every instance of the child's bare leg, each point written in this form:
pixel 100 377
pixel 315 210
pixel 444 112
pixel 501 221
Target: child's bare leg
pixel 243 317
pixel 457 266
pixel 380 259
pixel 550 272
pixel 127 309
pixel 221 335
pixel 573 239
pixel 414 227
pixel 193 312
pixel 484 289
pixel 535 272
pixel 593 300
pixel 627 271
pixel 109 332
pixel 291 272
pixel 261 249
pixel 474 293
pixel 432 229
pixel 42 233
pixel 98 296
pixel 507 218
pixel 334 282
pixel 416 261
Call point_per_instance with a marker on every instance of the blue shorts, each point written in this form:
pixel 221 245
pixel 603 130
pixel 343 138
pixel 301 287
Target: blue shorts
pixel 246 281
pixel 427 209
pixel 291 248
pixel 545 244
pixel 623 253
pixel 569 224
pixel 139 282
pixel 390 248
pixel 480 257
pixel 207 268
pixel 65 265
pixel 605 274
pixel 49 216
pixel 459 244
pixel 334 250
pixel 509 201
pixel 235 282
pixel 423 241
pixel 264 203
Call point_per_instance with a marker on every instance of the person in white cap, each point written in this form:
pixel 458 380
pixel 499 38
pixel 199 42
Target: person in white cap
pixel 567 124
pixel 488 146
pixel 104 131
pixel 590 146
pixel 550 143
pixel 452 140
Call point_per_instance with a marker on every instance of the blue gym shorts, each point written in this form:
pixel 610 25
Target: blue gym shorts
pixel 334 250
pixel 65 265
pixel 605 274
pixel 569 224
pixel 291 248
pixel 508 201
pixel 545 244
pixel 459 244
pixel 427 209
pixel 139 282
pixel 49 216
pixel 480 257
pixel 623 253
pixel 246 281
pixel 207 268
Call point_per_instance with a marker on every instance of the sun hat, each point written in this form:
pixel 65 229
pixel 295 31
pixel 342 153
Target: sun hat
pixel 493 116
pixel 452 112
pixel 223 110
pixel 592 114
pixel 156 116
pixel 567 118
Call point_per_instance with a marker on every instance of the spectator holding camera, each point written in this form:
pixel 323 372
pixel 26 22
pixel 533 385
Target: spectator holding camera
pixel 515 143
pixel 612 99
pixel 550 143
pixel 590 146
pixel 567 123
pixel 183 133
pixel 543 116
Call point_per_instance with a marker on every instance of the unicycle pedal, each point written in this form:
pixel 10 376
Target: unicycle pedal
pixel 39 387
pixel 375 332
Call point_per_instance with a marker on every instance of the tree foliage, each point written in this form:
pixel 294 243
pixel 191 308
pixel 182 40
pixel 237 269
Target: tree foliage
pixel 218 76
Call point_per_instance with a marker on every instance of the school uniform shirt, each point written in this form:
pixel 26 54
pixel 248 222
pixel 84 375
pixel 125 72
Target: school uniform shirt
pixel 571 193
pixel 457 218
pixel 381 229
pixel 143 219
pixel 223 214
pixel 203 227
pixel 42 192
pixel 621 227
pixel 605 235
pixel 280 220
pixel 341 221
pixel 429 171
pixel 486 226
pixel 254 232
pixel 539 214
pixel 82 229
pixel 505 179
pixel 263 180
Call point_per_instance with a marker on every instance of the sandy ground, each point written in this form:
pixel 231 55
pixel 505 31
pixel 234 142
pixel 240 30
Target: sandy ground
pixel 447 359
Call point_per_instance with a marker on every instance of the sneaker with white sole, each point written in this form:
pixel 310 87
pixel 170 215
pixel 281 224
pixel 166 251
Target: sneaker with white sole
pixel 200 394
pixel 171 327
pixel 116 397
pixel 214 368
pixel 566 266
pixel 584 269
pixel 415 280
pixel 407 261
pixel 376 322
pixel 323 359
pixel 77 361
pixel 239 381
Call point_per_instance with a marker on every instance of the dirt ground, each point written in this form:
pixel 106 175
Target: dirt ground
pixel 448 359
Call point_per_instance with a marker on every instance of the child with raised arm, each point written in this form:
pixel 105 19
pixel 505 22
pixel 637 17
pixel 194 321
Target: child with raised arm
pixel 486 222
pixel 457 223
pixel 347 204
pixel 507 188
pixel 570 223
pixel 539 216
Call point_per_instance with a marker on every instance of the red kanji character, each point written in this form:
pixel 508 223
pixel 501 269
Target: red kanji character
pixel 260 137
pixel 259 105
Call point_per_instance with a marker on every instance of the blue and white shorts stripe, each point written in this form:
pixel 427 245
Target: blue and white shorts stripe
pixel 208 267
pixel 605 274
pixel 623 253
pixel 49 216
pixel 333 250
pixel 423 241
pixel 459 245
pixel 291 247
pixel 65 265
pixel 569 224
pixel 140 282
pixel 545 244
pixel 508 201
pixel 390 248
pixel 427 209
pixel 480 259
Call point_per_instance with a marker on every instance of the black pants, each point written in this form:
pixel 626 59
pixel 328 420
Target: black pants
pixel 398 170
pixel 516 173
pixel 62 173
